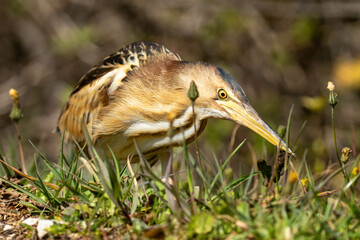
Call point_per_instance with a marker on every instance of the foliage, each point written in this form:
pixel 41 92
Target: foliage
pixel 98 197
pixel 280 52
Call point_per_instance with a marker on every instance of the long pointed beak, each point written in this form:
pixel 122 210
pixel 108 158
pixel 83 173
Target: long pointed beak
pixel 245 115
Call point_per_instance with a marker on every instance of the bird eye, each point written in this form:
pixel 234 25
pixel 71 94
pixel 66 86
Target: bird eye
pixel 222 93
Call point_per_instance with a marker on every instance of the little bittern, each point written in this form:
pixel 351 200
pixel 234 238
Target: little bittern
pixel 131 94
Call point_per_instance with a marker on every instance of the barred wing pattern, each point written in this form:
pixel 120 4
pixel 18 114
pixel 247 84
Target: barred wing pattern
pixel 96 88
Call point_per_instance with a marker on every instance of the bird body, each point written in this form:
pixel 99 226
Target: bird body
pixel 131 94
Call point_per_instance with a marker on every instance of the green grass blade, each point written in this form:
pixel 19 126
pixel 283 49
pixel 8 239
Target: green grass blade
pixel 225 164
pixel 189 175
pixel 250 177
pixel 48 163
pixel 77 193
pixel 33 196
pixel 238 181
pixel 286 164
pixel 29 205
pixel 7 170
pixel 63 159
pixel 43 188
pixel 198 170
pixel 351 182
pixel 219 173
pixel 299 135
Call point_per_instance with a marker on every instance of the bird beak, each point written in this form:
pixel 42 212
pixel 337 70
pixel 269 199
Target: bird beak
pixel 245 115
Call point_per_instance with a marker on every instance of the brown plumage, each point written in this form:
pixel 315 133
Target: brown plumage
pixel 93 90
pixel 132 92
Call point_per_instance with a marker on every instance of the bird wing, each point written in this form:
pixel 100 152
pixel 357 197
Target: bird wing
pixel 96 88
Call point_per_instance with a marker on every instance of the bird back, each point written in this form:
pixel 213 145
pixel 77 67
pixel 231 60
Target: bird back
pixel 96 88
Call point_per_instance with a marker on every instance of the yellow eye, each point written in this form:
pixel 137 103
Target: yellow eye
pixel 222 93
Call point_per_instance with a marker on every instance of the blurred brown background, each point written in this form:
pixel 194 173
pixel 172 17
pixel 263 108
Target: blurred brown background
pixel 282 52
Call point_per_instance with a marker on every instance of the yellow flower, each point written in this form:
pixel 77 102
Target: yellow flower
pixel 14 95
pixel 293 177
pixel 304 181
pixel 332 96
pixel 355 171
pixel 15 113
pixel 331 86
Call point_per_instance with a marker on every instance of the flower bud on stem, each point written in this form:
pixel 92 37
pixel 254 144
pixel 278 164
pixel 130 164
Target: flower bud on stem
pixel 332 102
pixel 16 116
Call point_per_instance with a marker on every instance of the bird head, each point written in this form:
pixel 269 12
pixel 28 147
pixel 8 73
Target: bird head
pixel 220 96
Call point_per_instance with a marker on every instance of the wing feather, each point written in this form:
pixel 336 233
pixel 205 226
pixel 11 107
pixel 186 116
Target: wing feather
pixel 95 88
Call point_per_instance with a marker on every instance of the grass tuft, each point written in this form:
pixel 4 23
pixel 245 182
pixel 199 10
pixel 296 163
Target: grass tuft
pixel 92 196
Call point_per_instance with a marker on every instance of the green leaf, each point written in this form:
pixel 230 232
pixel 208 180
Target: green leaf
pixel 202 223
pixel 29 205
pixel 24 225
